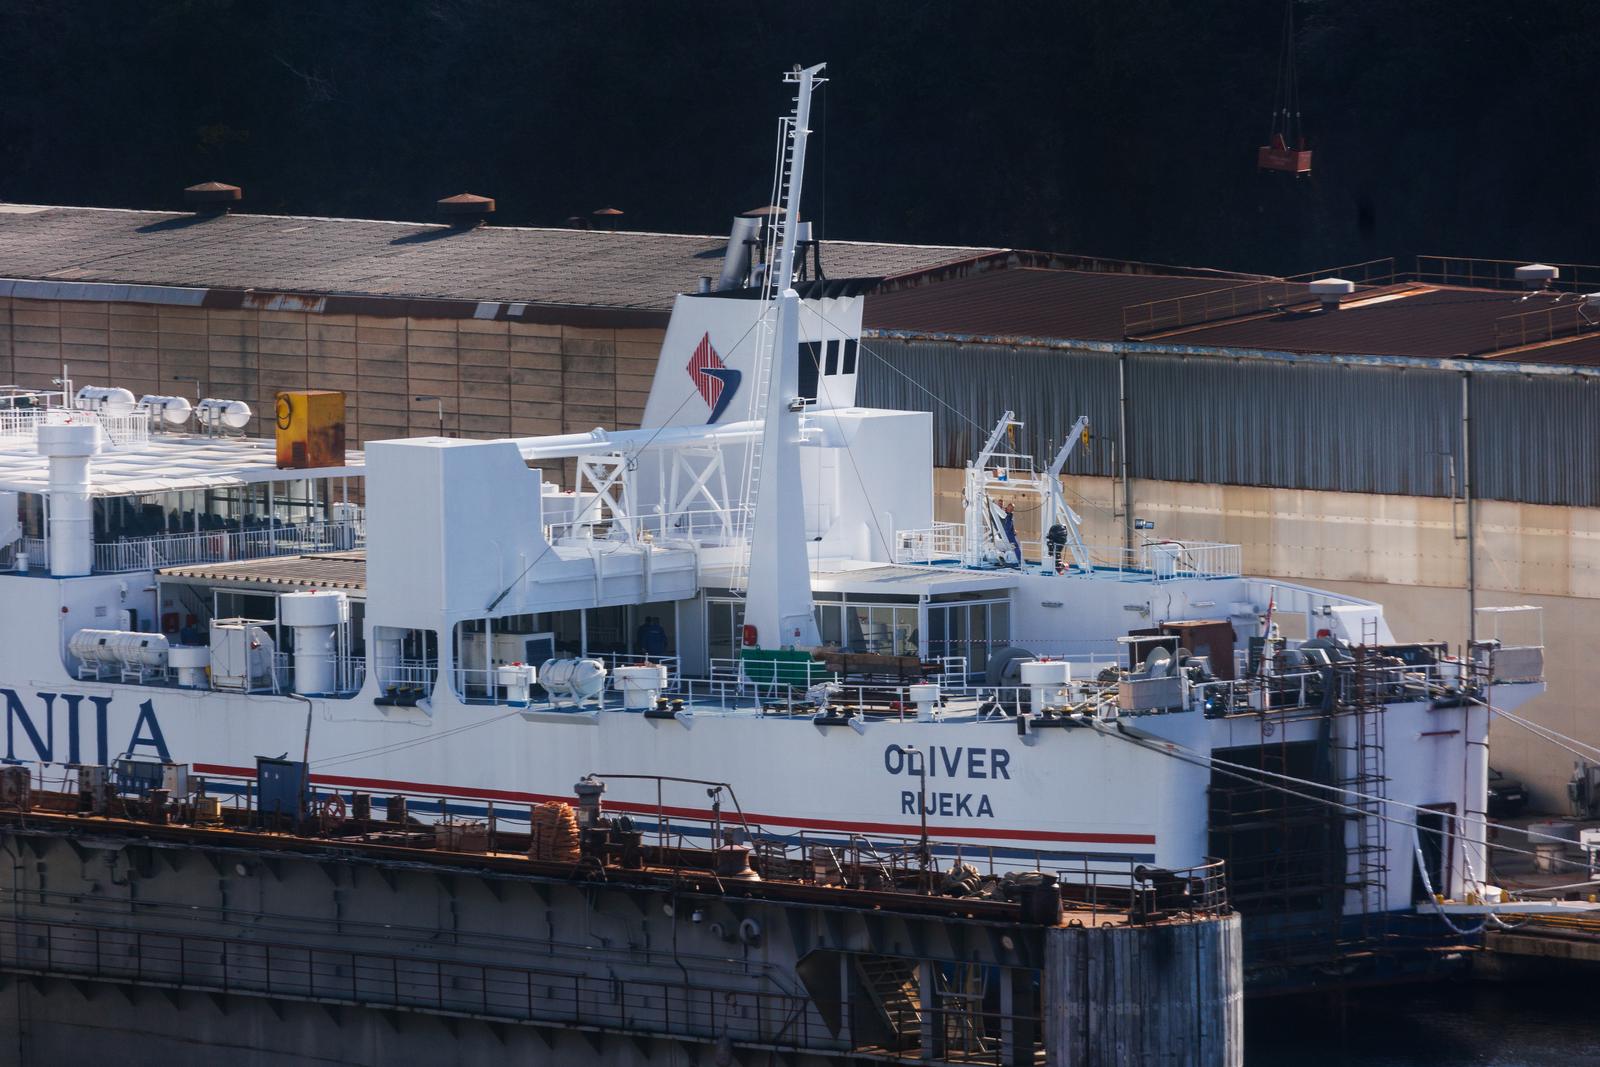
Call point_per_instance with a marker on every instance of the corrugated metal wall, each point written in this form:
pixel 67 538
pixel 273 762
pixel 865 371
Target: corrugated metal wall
pixel 1293 425
pixel 1536 440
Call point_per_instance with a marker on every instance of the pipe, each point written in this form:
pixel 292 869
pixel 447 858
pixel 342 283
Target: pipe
pixel 1122 453
pixel 69 445
pixel 1466 492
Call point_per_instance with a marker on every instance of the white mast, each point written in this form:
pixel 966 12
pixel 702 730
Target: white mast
pixel 778 597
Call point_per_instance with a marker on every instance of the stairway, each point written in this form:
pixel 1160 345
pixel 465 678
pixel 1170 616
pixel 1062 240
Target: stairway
pixel 891 985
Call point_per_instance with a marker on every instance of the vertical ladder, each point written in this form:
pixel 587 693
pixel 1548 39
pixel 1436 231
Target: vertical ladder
pixel 1368 778
pixel 766 338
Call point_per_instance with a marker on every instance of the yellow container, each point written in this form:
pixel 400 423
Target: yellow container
pixel 310 429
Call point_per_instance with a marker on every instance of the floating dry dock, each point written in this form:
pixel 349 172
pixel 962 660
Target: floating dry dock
pixel 365 936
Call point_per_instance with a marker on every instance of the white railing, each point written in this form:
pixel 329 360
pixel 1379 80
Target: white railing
pixel 223 546
pixel 941 542
pixel 613 660
pixel 946 542
pixel 121 430
pixel 411 673
pixel 38 550
pixel 706 526
pixel 1164 561
pixel 19 422
pixel 350 674
pixel 952 671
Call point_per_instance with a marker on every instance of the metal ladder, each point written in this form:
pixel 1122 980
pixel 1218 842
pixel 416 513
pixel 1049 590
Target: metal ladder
pixel 1368 778
pixel 766 339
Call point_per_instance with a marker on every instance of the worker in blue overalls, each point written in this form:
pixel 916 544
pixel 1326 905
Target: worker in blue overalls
pixel 1010 528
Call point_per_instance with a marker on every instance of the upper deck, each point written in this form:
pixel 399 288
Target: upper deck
pixel 162 498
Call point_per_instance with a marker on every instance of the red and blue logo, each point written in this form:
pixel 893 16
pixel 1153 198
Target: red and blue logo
pixel 716 381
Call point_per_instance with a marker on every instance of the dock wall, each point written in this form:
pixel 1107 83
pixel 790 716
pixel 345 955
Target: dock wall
pixel 186 944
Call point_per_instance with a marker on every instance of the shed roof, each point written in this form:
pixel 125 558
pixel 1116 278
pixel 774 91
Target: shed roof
pixel 1405 318
pixel 397 260
pixel 1030 302
pixel 343 571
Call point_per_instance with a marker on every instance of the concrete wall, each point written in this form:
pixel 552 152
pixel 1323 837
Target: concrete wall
pixel 1410 554
pixel 496 378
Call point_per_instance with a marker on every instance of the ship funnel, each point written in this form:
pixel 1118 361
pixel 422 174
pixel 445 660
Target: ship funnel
pixel 742 241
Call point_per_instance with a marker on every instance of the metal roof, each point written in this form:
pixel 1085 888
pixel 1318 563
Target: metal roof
pixel 394 260
pixel 343 571
pixel 1028 302
pixel 1416 319
pixel 1411 320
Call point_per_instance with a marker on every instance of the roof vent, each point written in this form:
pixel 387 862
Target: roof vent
pixel 212 198
pixel 1329 290
pixel 608 217
pixel 1537 275
pixel 466 210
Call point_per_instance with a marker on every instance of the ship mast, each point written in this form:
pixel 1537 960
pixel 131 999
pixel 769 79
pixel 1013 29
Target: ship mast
pixel 778 611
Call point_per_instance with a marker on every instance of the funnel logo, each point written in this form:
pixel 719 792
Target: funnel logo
pixel 716 381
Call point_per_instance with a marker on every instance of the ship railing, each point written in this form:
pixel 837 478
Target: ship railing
pixel 712 526
pixel 350 673
pixel 121 430
pixel 1310 688
pixel 943 542
pixel 1164 561
pixel 613 660
pixel 37 550
pixel 224 546
pixel 415 675
pixel 1160 561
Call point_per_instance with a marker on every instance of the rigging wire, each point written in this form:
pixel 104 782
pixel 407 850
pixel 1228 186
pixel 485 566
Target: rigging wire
pixel 1243 772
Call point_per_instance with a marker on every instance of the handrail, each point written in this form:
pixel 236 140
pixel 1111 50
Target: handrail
pixel 223 546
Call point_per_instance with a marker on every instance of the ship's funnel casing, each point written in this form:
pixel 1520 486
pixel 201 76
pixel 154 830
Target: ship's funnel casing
pixel 706 370
pixel 69 445
pixel 736 260
pixel 706 373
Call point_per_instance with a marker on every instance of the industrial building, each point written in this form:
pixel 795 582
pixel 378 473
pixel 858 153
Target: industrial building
pixel 1406 430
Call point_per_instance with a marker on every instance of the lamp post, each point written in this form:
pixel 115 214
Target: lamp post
pixel 437 400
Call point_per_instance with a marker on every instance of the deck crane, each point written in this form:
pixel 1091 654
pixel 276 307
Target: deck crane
pixel 996 472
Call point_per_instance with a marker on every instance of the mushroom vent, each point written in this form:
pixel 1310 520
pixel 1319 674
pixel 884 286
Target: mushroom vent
pixel 466 209
pixel 212 198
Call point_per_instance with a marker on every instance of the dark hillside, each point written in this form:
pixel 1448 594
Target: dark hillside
pixel 1124 128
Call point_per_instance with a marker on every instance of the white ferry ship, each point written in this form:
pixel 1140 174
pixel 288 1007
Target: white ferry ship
pixel 752 590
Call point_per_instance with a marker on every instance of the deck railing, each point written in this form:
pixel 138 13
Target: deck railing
pixel 223 546
pixel 120 430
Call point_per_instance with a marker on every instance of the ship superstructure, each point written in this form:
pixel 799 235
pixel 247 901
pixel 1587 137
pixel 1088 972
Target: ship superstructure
pixel 752 589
